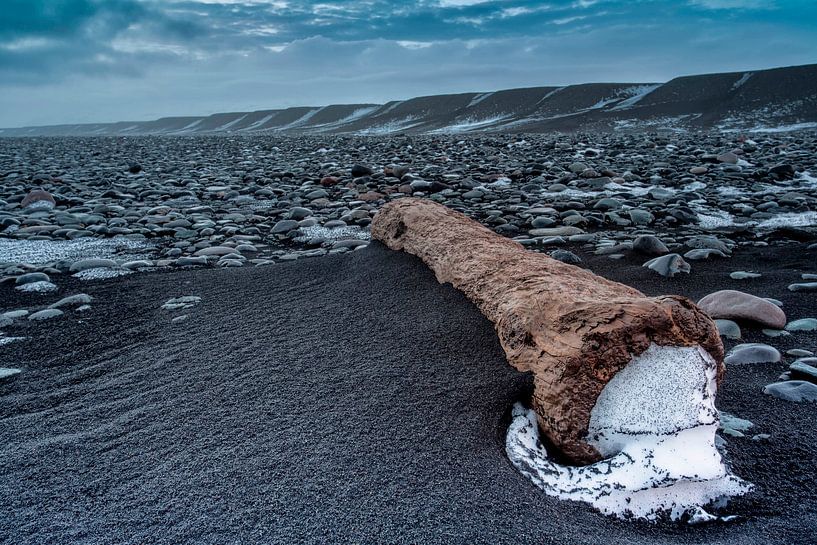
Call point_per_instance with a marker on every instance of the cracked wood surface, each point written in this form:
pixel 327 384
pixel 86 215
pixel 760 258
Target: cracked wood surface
pixel 572 329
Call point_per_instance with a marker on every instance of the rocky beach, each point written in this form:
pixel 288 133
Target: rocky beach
pixel 202 343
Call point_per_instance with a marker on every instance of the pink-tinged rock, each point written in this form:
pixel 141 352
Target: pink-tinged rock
pixel 329 181
pixel 572 329
pixel 38 198
pixel 737 305
pixel 370 196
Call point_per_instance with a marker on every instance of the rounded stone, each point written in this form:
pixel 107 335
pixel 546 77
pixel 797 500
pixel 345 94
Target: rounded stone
pixel 668 265
pixel 752 353
pixel 803 324
pixel 46 314
pixel 792 390
pixel 30 278
pixel 737 305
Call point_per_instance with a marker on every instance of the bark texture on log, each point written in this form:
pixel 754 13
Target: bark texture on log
pixel 574 330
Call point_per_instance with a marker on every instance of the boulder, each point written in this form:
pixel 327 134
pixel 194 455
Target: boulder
pixel 737 305
pixel 572 329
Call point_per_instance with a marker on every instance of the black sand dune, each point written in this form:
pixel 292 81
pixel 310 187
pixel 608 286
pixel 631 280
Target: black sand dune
pixel 346 399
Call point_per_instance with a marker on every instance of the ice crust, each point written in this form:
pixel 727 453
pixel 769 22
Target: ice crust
pixel 37 252
pixel 655 424
pixel 350 232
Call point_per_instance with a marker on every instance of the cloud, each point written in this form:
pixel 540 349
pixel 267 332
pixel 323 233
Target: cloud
pixel 734 4
pixel 88 60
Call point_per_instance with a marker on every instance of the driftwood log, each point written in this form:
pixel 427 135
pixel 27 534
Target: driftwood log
pixel 572 329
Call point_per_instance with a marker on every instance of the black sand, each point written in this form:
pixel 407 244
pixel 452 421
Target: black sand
pixel 345 399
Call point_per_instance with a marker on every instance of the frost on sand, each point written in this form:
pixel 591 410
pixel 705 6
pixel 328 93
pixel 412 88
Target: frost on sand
pixel 655 424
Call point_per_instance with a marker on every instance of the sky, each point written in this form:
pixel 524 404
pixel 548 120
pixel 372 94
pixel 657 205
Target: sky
pixel 79 61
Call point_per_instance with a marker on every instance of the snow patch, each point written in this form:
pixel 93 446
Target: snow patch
pixel 791 219
pixel 715 219
pixel 231 123
pixel 634 94
pixel 470 125
pixel 42 286
pixel 37 252
pixel 743 79
pixel 9 340
pixel 478 98
pixel 391 126
pixel 101 273
pixel 784 128
pixel 655 423
pixel 333 233
pixel 301 120
pixel 259 123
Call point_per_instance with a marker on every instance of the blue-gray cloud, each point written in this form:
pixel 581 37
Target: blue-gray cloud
pixel 86 60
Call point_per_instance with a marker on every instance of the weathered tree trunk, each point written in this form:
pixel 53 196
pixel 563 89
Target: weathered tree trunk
pixel 574 330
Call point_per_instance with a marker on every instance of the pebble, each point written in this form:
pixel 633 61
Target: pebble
pixel 92 263
pixel 803 324
pixel 803 286
pixel 743 275
pixel 565 256
pixel 702 254
pixel 186 301
pixel 45 314
pixel 775 332
pixel 737 305
pixel 752 353
pixel 728 329
pixel 30 278
pixel 732 425
pixel 803 371
pixel 668 265
pixel 650 245
pixel 72 300
pixel 792 390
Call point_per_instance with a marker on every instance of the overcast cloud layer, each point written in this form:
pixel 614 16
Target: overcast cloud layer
pixel 76 61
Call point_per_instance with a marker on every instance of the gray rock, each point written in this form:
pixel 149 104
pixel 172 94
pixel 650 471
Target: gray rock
pixel 732 425
pixel 737 305
pixel 650 245
pixel 752 353
pixel 668 265
pixel 46 314
pixel 93 263
pixel 743 275
pixel 555 232
pixel 803 371
pixel 299 213
pixel 565 256
pixel 72 300
pixel 700 254
pixel 792 390
pixel 30 278
pixel 803 324
pixel 728 329
pixel 214 250
pixel 803 286
pixel 284 226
